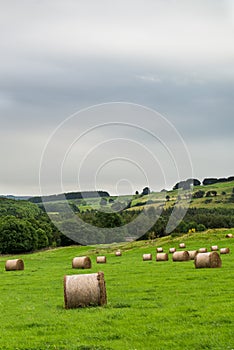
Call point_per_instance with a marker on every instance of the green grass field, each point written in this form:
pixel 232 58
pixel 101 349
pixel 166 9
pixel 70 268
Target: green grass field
pixel 151 305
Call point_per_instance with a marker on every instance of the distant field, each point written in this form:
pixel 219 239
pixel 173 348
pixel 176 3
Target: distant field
pixel 151 305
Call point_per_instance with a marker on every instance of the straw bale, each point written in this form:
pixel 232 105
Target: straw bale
pixel 147 257
pixel 101 259
pixel 207 260
pixel 159 250
pixel 118 253
pixel 84 290
pixel 81 262
pixel 182 245
pixel 14 264
pixel 224 251
pixel 180 256
pixel 202 250
pixel 214 248
pixel 162 257
pixel 192 254
pixel 172 250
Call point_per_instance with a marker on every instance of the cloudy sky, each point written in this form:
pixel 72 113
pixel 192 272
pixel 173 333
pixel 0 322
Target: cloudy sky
pixel 60 58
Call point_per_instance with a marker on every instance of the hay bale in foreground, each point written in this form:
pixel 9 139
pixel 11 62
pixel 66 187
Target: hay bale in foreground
pixel 101 259
pixel 159 250
pixel 192 254
pixel 172 250
pixel 182 245
pixel 162 257
pixel 81 262
pixel 14 264
pixel 229 235
pixel 118 253
pixel 181 256
pixel 146 257
pixel 202 250
pixel 214 248
pixel 224 251
pixel 84 290
pixel 209 260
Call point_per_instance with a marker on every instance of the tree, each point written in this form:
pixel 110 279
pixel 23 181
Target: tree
pixel 145 191
pixel 17 236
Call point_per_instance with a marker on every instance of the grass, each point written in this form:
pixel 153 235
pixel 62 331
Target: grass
pixel 151 305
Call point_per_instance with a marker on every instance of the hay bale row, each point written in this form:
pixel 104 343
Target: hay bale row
pixel 84 290
pixel 14 265
pixel 207 260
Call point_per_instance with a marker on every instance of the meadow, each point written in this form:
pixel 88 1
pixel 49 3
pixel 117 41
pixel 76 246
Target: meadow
pixel 151 305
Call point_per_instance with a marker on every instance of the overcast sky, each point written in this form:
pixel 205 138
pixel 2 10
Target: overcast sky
pixel 59 57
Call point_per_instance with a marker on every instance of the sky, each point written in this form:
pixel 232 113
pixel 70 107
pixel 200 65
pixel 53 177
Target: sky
pixel 115 96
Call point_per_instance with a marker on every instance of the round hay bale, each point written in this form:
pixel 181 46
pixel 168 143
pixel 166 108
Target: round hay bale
pixel 159 250
pixel 81 262
pixel 162 257
pixel 172 250
pixel 14 264
pixel 100 259
pixel 182 245
pixel 209 260
pixel 214 248
pixel 224 250
pixel 181 256
pixel 84 290
pixel 229 235
pixel 192 254
pixel 147 257
pixel 202 250
pixel 118 253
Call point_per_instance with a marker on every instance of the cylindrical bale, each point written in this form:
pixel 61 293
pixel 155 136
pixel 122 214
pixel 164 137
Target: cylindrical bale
pixel 162 257
pixel 210 259
pixel 146 257
pixel 159 250
pixel 192 254
pixel 100 259
pixel 182 245
pixel 224 250
pixel 118 253
pixel 180 256
pixel 214 248
pixel 81 262
pixel 202 250
pixel 172 250
pixel 84 290
pixel 14 264
pixel 229 235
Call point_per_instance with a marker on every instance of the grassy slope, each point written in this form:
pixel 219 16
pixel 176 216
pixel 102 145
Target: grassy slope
pixel 151 305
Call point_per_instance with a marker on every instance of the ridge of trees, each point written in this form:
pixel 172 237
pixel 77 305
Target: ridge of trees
pixel 69 195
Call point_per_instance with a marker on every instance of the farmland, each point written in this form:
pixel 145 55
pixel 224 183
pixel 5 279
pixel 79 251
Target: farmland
pixel 151 305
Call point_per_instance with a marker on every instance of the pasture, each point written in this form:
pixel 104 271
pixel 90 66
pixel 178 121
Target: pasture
pixel 150 305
